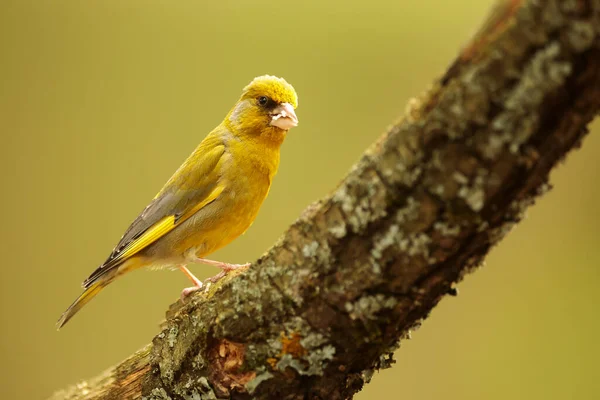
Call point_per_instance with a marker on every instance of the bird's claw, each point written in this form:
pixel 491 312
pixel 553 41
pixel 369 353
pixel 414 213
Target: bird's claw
pixel 189 290
pixel 218 276
pixel 225 268
pixel 231 267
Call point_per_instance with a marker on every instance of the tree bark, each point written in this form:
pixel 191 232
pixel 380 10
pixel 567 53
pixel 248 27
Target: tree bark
pixel 327 305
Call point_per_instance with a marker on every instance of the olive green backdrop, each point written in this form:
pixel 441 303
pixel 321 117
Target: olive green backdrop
pixel 100 101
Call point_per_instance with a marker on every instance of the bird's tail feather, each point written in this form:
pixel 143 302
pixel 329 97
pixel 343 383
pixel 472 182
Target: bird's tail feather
pixel 81 301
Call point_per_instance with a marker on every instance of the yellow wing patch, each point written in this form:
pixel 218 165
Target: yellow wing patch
pixel 209 199
pixel 161 228
pixel 152 234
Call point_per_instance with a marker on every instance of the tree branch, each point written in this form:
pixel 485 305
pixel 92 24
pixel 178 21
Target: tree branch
pixel 328 304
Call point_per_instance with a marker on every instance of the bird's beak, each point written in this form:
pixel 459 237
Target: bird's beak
pixel 284 117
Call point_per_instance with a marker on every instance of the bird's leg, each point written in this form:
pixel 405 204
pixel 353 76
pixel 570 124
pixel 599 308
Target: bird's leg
pixel 197 282
pixel 225 267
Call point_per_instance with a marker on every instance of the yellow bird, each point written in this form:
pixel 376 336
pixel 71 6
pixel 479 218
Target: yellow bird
pixel 212 198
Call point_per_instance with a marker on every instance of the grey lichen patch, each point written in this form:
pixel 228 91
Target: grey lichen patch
pixel 361 199
pixel 496 234
pixel 199 362
pixel 333 220
pixel 286 282
pixel 446 229
pixel 474 196
pixel 450 106
pixel 304 330
pixel 275 345
pixel 516 212
pixel 460 178
pixel 409 212
pixel 580 35
pixel 518 208
pixel 342 197
pixel 338 231
pixel 408 175
pixel 474 193
pixel 317 251
pixel 198 391
pixel 386 358
pixel 172 337
pixel 398 162
pixel 195 395
pixel 356 216
pixel 544 73
pixel 367 375
pixel 313 340
pixel 496 141
pixel 248 296
pixel 367 307
pixel 412 111
pixel 254 383
pixel 438 190
pixel 415 326
pixel 415 244
pixel 166 370
pixel 408 232
pixel 464 104
pixel 172 350
pixel 387 239
pixel 475 105
pixel 472 264
pixel 386 361
pixel 288 361
pixel 312 364
pixel 317 360
pixel 391 349
pixel 255 353
pixel 157 394
pixel 482 225
pixel 543 189
pixel 310 250
pixel 302 349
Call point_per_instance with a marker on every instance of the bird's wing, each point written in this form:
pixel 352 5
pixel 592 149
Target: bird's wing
pixel 192 187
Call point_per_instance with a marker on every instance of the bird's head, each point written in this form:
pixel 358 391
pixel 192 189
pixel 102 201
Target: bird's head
pixel 266 107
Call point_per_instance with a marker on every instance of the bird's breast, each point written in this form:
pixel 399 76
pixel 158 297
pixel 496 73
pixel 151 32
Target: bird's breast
pixel 245 188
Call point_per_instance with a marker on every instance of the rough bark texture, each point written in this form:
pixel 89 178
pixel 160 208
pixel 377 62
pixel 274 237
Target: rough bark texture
pixel 328 304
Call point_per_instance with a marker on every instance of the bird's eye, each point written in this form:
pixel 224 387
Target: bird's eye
pixel 263 100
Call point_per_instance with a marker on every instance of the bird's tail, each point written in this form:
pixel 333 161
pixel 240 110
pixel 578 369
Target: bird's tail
pixel 81 301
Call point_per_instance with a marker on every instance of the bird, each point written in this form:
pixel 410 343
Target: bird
pixel 212 198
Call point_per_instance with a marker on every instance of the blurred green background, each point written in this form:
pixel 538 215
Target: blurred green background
pixel 100 101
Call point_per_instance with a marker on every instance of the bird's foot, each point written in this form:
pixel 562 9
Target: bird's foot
pixel 225 268
pixel 217 277
pixel 230 267
pixel 197 283
pixel 189 290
